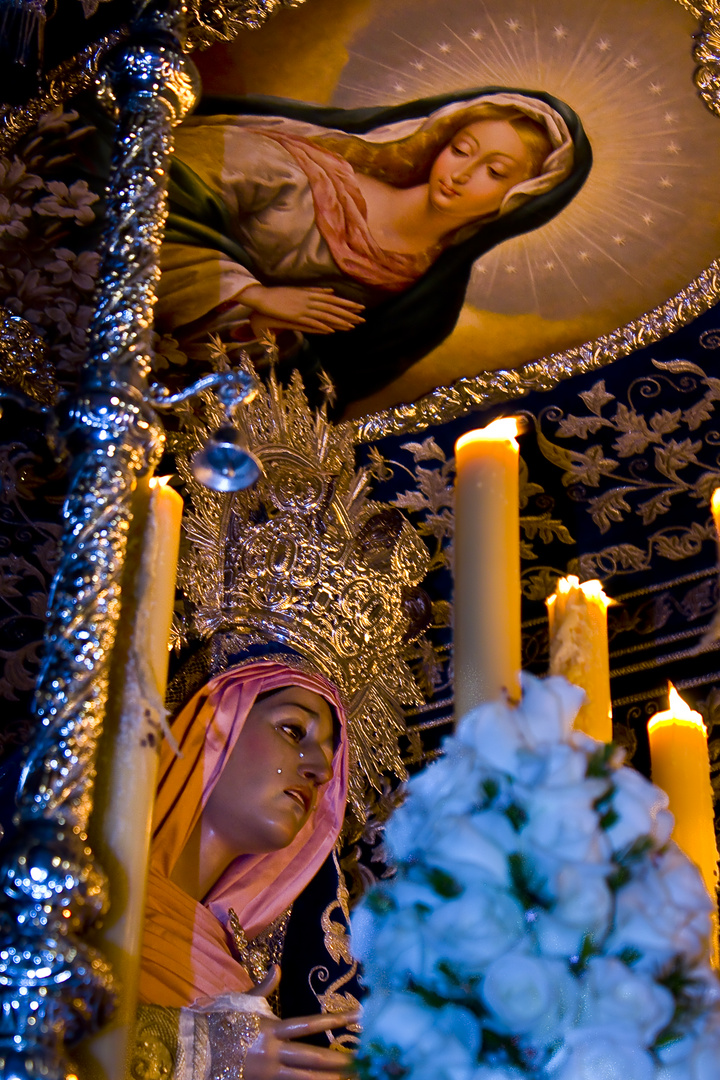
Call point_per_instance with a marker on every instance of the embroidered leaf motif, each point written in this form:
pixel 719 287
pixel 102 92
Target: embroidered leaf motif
pixel 658 504
pixel 547 528
pixel 637 436
pixel 612 559
pixel 540 584
pixel 683 545
pixel 675 455
pixel 434 492
pixel 588 468
pixel 705 486
pixel 679 367
pixel 597 397
pixel 698 413
pixel 609 507
pixel 427 450
pixel 664 422
pixel 581 426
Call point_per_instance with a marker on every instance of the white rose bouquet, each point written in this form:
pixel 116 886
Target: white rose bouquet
pixel 541 923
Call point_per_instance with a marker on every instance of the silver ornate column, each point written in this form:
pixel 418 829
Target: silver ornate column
pixel 55 988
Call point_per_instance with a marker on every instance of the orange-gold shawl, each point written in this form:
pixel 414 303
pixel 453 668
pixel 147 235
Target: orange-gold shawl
pixel 185 950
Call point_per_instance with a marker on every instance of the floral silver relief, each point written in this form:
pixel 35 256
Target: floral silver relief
pixel 54 988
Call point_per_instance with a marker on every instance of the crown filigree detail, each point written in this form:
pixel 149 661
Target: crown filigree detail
pixel 307 559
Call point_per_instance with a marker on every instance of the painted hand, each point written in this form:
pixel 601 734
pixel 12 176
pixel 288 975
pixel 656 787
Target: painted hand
pixel 309 310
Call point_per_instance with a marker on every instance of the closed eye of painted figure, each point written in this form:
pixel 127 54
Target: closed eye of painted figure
pixel 323 221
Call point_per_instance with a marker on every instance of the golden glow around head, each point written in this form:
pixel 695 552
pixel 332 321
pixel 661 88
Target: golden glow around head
pixel 591 590
pixel 679 713
pixel 502 430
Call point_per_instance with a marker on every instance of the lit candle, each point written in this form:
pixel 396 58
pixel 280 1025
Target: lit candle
pixel 125 791
pixel 715 507
pixel 681 767
pixel 487 643
pixel 577 615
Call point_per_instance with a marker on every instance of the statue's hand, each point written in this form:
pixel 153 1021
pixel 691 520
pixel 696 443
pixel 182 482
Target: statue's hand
pixel 291 307
pixel 276 1056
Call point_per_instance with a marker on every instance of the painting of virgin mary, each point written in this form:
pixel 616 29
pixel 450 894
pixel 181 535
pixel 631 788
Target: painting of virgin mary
pixel 354 232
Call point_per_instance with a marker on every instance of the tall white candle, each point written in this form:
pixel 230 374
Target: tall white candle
pixel 577 615
pixel 681 767
pixel 487 641
pixel 125 791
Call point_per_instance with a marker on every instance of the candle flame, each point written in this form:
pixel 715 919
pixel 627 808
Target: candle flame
pixel 592 590
pixel 160 481
pixel 503 430
pixel 715 502
pixel 678 713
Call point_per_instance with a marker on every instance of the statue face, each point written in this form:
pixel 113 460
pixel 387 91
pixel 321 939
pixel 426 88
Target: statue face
pixel 269 786
pixel 471 175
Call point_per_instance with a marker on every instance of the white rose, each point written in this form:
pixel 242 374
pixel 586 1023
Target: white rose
pixel 603 1054
pixel 393 943
pixel 460 848
pixel 547 709
pixel 637 803
pixel 564 766
pixel 530 995
pixel 663 911
pixel 475 928
pixel 491 731
pixel 616 995
pixel 557 938
pixel 453 782
pixel 564 822
pixel 583 898
pixel 435 1044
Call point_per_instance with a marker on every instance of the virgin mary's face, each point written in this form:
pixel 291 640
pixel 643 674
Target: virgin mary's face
pixel 473 173
pixel 270 784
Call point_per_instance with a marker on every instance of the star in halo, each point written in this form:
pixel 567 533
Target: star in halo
pixel 631 63
pixel 480 270
pixel 665 182
pixel 513 25
pixel 648 219
pixel 619 239
pixel 673 147
pixel 510 268
pixel 398 88
pixel 603 45
pixel 549 265
pixel 476 35
pixel 560 32
pixel 655 88
pixel 584 256
pixel 444 47
pixel 670 117
pixel 418 65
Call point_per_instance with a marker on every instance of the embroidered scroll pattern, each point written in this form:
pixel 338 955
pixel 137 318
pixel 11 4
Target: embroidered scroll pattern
pixel 644 462
pixel 337 943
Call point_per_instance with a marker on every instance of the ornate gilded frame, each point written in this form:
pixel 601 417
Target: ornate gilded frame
pixel 222 22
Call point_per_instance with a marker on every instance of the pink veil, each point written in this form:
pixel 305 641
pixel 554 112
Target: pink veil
pixel 185 951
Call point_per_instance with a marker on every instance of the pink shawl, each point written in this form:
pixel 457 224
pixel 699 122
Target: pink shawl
pixel 341 217
pixel 185 950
